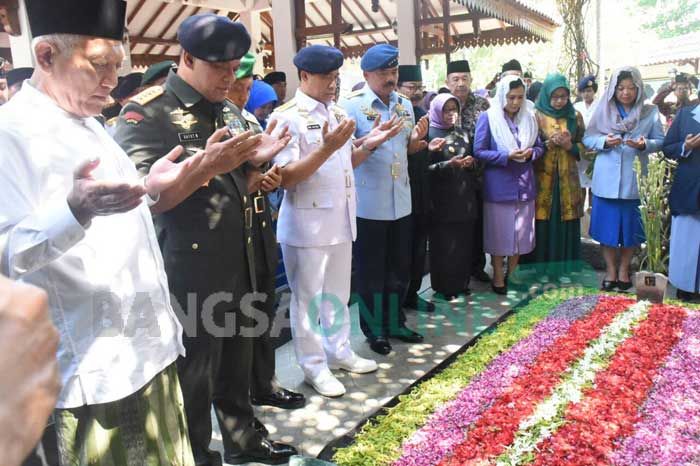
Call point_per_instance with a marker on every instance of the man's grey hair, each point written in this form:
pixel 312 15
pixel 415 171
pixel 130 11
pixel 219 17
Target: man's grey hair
pixel 65 43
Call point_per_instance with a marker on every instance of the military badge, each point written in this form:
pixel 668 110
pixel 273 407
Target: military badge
pixel 236 126
pixel 183 120
pixel 339 116
pixel 133 118
pixel 227 116
pixel 401 110
pixel 371 113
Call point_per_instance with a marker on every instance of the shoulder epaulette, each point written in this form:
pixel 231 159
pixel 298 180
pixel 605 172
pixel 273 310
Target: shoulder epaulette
pixel 148 95
pixel 401 95
pixel 286 106
pixel 250 117
pixel 112 121
pixel 356 93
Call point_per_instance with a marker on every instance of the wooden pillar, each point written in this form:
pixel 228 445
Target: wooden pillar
pixel 407 25
pixel 21 44
pixel 283 19
pixel 337 18
pixel 299 14
pixel 251 21
pixel 446 27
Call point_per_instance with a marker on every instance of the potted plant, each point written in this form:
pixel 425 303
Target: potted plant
pixel 654 187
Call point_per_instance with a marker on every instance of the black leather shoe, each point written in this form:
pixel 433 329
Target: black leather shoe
pixel 379 345
pixel 419 304
pixel 608 285
pixel 407 335
pixel 206 457
pixel 623 286
pixel 265 452
pixel 260 427
pixel 502 290
pixel 445 297
pixel 282 398
pixel 481 276
pixel 687 296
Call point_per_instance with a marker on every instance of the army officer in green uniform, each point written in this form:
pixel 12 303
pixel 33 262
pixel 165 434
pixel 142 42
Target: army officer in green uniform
pixel 265 390
pixel 205 229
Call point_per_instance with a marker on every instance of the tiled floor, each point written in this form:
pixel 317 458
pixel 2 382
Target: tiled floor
pixel 310 429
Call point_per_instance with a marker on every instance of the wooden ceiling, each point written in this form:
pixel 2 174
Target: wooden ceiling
pixel 153 24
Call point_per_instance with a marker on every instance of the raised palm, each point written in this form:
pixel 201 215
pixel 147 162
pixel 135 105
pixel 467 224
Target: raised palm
pixel 167 172
pixel 272 144
pixel 382 132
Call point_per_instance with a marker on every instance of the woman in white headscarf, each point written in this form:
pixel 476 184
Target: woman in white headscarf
pixel 622 128
pixel 507 141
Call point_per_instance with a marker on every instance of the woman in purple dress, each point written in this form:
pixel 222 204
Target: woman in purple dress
pixel 507 141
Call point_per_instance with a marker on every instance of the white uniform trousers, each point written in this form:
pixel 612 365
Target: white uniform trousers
pixel 319 278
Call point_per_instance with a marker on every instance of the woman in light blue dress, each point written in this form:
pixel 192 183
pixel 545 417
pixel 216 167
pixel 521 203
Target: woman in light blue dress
pixel 621 130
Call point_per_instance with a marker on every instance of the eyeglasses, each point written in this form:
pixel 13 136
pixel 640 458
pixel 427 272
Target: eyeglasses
pixel 413 87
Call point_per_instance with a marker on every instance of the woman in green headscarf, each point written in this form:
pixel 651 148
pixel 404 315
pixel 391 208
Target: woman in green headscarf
pixel 559 204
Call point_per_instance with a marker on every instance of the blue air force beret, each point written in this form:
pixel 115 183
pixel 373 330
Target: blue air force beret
pixel 586 82
pixel 318 59
pixel 214 38
pixel 380 57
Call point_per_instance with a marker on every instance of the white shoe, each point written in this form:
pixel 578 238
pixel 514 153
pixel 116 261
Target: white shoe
pixel 326 384
pixel 355 364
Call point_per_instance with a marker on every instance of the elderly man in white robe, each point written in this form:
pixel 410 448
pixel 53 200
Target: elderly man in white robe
pixel 75 221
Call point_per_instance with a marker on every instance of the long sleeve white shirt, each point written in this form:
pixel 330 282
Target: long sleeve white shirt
pixel 319 211
pixel 107 288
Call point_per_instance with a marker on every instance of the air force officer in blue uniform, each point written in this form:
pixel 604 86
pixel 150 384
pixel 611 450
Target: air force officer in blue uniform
pixel 382 250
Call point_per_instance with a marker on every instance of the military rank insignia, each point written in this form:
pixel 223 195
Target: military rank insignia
pixel 183 119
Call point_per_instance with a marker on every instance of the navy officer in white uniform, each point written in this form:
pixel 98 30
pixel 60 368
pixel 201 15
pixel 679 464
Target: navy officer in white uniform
pixel 384 226
pixel 316 225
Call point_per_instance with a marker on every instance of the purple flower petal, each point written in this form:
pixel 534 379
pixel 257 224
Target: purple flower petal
pixel 669 430
pixel 445 428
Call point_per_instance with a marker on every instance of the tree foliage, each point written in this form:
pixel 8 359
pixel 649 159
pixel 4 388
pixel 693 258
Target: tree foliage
pixel 671 18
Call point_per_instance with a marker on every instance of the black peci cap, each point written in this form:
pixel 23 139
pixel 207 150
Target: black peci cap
pixel 93 18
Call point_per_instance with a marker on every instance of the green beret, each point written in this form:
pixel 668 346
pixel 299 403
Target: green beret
pixel 245 70
pixel 157 71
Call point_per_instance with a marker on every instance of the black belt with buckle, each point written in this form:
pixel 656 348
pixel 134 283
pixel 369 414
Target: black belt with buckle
pixel 259 204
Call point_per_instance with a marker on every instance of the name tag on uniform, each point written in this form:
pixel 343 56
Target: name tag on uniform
pixel 395 170
pixel 187 137
pixel 313 126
